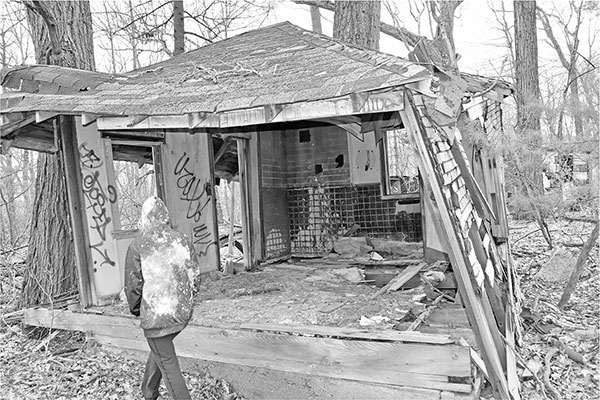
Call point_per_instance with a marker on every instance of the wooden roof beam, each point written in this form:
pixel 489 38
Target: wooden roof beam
pixel 343 106
pixel 41 116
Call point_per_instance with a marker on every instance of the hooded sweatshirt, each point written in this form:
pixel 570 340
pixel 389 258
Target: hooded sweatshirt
pixel 160 271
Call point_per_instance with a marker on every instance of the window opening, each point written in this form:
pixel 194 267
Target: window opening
pixel 304 136
pixel 400 173
pixel 135 181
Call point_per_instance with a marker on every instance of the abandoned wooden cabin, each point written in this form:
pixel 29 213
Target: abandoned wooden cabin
pixel 322 137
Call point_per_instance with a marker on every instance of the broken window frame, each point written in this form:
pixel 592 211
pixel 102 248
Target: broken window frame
pixel 156 150
pixel 386 179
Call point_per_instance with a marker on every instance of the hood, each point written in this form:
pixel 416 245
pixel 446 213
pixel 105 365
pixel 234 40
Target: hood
pixel 154 214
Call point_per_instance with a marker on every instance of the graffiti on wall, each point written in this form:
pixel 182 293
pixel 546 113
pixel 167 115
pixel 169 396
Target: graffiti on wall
pixel 197 194
pixel 97 199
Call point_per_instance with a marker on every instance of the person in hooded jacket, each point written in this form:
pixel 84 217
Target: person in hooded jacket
pixel 160 273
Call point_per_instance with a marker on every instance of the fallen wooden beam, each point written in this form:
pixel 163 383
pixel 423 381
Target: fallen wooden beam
pixel 400 279
pixel 390 263
pixel 352 333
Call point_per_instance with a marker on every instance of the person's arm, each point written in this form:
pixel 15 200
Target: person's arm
pixel 134 281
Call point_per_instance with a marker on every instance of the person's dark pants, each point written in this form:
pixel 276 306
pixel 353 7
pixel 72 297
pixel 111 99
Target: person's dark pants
pixel 162 363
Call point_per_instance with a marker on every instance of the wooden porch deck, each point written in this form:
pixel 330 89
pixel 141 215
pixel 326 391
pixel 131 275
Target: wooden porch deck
pixel 419 365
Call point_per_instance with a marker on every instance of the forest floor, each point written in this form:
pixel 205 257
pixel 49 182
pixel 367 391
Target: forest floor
pixel 560 346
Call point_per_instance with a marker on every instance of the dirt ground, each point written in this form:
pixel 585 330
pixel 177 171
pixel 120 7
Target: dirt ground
pixel 296 294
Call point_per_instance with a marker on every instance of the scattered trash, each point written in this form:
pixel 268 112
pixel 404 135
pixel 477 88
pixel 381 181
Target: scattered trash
pixel 353 275
pixel 375 256
pixel 376 320
pixel 349 247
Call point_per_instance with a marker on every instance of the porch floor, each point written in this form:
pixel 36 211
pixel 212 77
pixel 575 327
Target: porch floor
pixel 302 318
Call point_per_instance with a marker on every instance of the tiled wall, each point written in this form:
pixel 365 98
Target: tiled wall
pixel 311 165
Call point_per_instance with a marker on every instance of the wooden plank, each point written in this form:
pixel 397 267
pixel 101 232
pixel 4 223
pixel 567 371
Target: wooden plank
pixel 262 350
pixel 479 199
pixel 151 122
pixel 475 357
pixel 352 333
pixel 41 116
pixel 255 181
pixel 188 175
pixel 10 126
pixel 159 175
pixel 110 173
pixel 451 316
pixel 383 362
pixel 395 363
pixel 109 325
pixel 65 127
pixel 477 314
pixel 400 279
pixel 245 187
pixel 88 118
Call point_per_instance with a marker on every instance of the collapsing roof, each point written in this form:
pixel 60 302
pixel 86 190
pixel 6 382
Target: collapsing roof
pixel 275 65
pixel 280 64
pixel 283 73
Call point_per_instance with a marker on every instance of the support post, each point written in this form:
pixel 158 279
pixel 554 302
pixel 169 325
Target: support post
pixel 66 129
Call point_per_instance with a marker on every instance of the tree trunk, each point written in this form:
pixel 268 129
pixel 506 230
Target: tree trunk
pixel 62 35
pixel 178 27
pixel 527 82
pixel 579 266
pixel 357 22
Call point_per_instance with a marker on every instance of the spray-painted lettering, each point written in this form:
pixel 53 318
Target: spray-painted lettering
pixel 197 194
pixel 97 198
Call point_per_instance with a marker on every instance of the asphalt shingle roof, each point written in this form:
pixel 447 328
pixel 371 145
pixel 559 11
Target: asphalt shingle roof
pixel 278 64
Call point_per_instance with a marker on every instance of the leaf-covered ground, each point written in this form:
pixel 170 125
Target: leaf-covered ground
pixel 561 347
pixel 554 338
pixel 69 367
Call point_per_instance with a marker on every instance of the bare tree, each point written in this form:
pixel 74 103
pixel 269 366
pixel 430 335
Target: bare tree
pixel 62 35
pixel 357 22
pixel 569 56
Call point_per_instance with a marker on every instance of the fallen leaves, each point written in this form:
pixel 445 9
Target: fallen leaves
pixel 562 347
pixel 70 367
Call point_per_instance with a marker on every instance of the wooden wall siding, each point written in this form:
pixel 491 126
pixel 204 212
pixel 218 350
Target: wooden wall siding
pixel 469 244
pixel 356 357
pixel 100 196
pixel 493 171
pixel 189 183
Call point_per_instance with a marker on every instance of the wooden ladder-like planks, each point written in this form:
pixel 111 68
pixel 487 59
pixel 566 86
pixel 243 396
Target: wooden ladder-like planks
pixel 440 179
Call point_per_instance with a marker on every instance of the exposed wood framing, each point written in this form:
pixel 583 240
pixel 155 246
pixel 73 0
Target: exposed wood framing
pixel 254 174
pixel 11 125
pixel 87 118
pixel 355 104
pixel 66 128
pixel 478 309
pixel 41 116
pixel 245 202
pixel 159 175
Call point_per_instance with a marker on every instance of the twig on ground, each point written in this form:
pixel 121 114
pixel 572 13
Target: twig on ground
pixel 424 315
pixel 524 365
pixel 547 359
